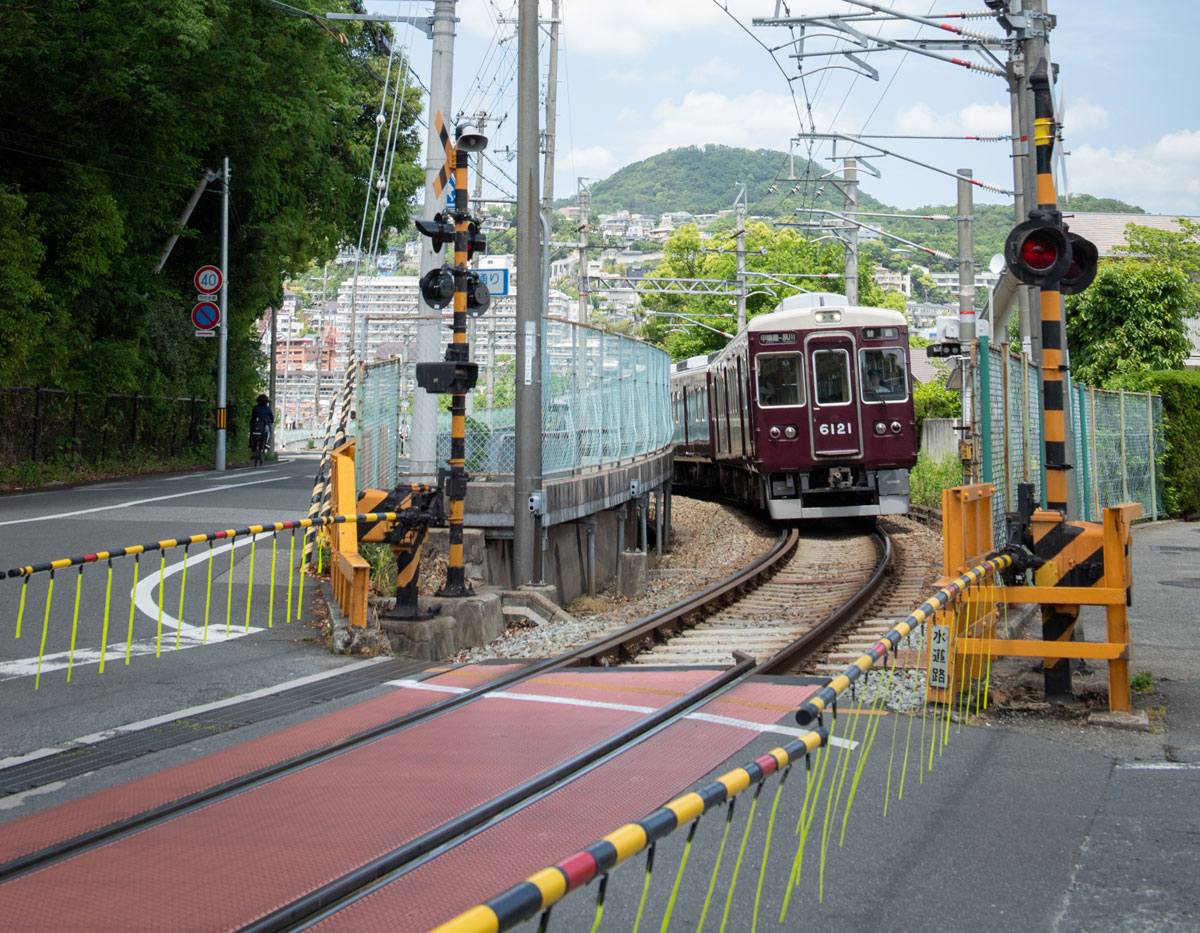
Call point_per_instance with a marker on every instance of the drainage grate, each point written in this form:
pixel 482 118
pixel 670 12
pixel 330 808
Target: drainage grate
pixel 85 758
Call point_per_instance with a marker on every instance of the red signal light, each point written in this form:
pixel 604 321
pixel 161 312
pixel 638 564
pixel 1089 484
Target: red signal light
pixel 1039 251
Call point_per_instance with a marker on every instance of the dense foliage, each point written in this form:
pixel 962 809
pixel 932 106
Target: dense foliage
pixel 111 114
pixel 1130 319
pixel 1180 391
pixel 690 325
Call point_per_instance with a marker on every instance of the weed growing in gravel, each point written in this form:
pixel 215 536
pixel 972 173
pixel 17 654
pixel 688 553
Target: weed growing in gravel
pixel 1141 682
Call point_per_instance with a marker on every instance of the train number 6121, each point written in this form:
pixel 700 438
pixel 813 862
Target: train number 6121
pixel 838 427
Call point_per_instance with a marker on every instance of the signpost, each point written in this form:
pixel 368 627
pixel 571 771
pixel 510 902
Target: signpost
pixel 206 315
pixel 208 280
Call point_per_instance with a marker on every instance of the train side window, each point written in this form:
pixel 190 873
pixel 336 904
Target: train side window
pixel 884 374
pixel 831 374
pixel 780 379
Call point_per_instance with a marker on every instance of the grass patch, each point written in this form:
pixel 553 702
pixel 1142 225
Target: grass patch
pixel 1141 682
pixel 929 477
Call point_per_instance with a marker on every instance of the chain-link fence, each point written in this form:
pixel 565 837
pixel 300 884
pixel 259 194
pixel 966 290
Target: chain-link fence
pixel 1118 439
pixel 54 425
pixel 605 397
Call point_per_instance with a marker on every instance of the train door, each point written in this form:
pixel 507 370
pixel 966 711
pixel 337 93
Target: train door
pixel 835 427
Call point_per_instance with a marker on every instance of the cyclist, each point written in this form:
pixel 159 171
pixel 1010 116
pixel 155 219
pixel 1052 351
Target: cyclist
pixel 262 420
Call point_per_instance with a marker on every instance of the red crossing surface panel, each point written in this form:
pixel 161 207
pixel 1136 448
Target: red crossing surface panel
pixel 235 860
pixel 624 789
pixel 48 827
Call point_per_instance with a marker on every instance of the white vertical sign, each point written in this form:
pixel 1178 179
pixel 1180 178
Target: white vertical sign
pixel 530 350
pixel 939 656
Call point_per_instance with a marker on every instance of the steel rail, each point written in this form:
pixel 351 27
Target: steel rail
pixel 102 835
pixel 830 626
pixel 629 641
pixel 363 881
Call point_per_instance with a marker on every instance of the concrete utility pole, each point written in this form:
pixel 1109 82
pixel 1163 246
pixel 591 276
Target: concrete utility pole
pixel 551 110
pixel 429 320
pixel 527 469
pixel 966 302
pixel 740 206
pixel 585 198
pixel 850 180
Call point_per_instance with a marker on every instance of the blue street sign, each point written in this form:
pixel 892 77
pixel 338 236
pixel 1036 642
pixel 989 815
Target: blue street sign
pixel 496 281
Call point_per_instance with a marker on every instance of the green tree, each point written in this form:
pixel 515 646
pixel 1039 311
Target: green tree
pixel 1129 320
pixel 112 113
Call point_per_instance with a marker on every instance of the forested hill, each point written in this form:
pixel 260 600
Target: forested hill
pixel 704 180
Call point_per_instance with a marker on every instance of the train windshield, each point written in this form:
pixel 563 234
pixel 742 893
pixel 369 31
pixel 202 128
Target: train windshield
pixel 831 375
pixel 884 376
pixel 779 379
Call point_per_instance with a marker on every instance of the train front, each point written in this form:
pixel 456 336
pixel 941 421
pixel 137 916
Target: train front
pixel 834 427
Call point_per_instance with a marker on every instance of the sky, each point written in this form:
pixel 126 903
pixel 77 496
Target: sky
pixel 639 77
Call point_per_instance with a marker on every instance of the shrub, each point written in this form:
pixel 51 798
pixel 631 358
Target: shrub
pixel 934 400
pixel 929 477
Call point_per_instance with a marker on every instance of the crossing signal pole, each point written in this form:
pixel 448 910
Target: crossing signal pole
pixel 457 375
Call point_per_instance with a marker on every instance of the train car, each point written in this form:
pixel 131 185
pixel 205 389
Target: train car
pixel 808 413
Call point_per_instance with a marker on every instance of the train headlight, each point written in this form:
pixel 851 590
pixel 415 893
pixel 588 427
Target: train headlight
pixel 897 427
pixel 881 428
pixel 790 432
pixel 774 432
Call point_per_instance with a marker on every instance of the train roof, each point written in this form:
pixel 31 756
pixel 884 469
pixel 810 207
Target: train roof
pixel 799 312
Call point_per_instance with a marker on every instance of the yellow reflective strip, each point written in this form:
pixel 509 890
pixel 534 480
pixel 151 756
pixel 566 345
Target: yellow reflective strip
pixel 134 549
pixel 479 919
pixel 197 539
pixel 102 555
pixel 169 543
pixel 919 615
pixel 61 563
pixel 1043 131
pixel 628 840
pixel 686 808
pixel 839 683
pixel 735 781
pixel 782 758
pixel 552 883
pixel 811 740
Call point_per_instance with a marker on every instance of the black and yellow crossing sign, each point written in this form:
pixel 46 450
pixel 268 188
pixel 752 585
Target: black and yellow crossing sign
pixel 447 168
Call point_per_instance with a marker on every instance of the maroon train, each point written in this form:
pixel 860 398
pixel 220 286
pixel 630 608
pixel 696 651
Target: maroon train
pixel 808 413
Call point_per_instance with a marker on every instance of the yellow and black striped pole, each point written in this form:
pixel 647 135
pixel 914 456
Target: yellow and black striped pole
pixel 1054 361
pixel 458 352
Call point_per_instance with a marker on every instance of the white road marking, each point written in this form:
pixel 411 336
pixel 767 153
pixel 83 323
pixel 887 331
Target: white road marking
pixel 595 704
pixel 1158 766
pixel 184 713
pixel 133 502
pixel 188 636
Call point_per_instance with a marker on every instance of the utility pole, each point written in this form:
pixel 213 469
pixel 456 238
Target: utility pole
pixel 966 304
pixel 320 338
pixel 850 190
pixel 527 468
pixel 584 205
pixel 429 320
pixel 272 378
pixel 223 336
pixel 740 207
pixel 551 111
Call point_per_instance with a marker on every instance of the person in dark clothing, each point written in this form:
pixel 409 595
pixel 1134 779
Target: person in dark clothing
pixel 262 420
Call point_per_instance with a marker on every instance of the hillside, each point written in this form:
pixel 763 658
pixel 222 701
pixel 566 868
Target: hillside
pixel 704 180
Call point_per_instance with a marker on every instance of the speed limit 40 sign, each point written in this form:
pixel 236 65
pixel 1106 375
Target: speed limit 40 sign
pixel 207 280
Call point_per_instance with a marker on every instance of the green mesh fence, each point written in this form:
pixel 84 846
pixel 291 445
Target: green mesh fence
pixel 1118 440
pixel 605 397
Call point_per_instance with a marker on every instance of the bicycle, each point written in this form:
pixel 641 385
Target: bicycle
pixel 258 443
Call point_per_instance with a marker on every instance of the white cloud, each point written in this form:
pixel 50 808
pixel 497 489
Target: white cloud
pixel 1082 116
pixel 972 120
pixel 1162 176
pixel 591 161
pixel 713 71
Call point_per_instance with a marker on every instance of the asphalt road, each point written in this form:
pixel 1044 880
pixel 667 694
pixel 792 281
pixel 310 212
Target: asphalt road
pixel 47 524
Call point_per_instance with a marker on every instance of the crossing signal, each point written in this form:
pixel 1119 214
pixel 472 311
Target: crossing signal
pixel 1082 271
pixel 439 230
pixel 478 296
pixel 476 241
pixel 1037 251
pixel 437 287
